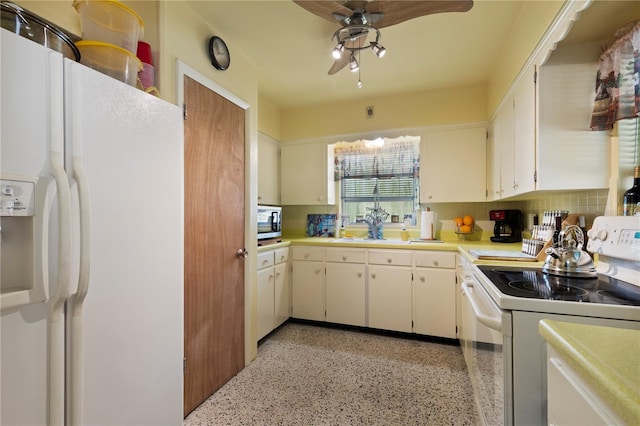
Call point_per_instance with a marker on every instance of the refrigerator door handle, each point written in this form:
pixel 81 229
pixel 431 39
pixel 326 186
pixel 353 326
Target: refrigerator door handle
pixel 85 232
pixel 77 365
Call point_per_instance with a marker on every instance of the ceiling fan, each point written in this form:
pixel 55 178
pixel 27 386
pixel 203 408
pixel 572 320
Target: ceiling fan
pixel 361 19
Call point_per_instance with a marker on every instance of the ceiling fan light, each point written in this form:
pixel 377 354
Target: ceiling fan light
pixel 353 65
pixel 359 84
pixel 338 50
pixel 378 49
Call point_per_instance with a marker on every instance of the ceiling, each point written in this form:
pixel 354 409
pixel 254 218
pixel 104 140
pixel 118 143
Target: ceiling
pixel 291 47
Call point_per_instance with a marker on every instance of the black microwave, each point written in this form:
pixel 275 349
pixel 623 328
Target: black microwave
pixel 269 222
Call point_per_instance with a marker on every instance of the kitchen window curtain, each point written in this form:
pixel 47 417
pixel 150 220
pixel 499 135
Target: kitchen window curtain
pixel 398 157
pixel 391 166
pixel 618 79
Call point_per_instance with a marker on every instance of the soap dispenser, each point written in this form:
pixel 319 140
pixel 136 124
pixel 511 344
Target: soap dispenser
pixel 404 234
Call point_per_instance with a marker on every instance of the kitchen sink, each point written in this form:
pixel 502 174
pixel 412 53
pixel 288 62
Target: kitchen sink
pixel 370 241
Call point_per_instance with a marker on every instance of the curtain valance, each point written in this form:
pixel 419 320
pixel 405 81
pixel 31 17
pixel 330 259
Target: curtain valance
pixel 618 79
pixel 363 160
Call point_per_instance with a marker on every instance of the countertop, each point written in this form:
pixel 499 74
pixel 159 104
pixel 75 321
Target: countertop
pixel 272 246
pixel 607 358
pixel 462 247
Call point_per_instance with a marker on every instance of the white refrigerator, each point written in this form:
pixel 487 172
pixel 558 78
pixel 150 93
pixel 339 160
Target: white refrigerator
pixel 92 204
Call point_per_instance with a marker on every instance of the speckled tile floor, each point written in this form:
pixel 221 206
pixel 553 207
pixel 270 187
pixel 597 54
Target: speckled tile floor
pixel 310 375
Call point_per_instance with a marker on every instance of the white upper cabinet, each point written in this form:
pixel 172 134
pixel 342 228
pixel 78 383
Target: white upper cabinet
pixel 512 142
pixel 452 165
pixel 268 170
pixel 507 148
pixel 570 155
pixel 524 132
pixel 306 174
pixel 493 159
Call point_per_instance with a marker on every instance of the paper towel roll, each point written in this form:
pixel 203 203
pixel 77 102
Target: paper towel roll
pixel 428 225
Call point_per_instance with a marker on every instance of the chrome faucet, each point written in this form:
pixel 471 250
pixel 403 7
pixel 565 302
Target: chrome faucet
pixel 375 217
pixel 375 229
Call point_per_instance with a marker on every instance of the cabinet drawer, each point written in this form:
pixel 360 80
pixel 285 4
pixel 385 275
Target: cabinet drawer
pixel 265 259
pixel 390 257
pixel 282 255
pixel 436 259
pixel 346 255
pixel 308 253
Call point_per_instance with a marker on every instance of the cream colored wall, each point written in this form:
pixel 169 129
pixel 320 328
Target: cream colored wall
pixel 534 19
pixel 435 107
pixel 269 119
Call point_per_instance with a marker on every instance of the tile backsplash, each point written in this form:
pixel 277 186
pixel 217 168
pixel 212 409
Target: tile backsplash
pixel 591 203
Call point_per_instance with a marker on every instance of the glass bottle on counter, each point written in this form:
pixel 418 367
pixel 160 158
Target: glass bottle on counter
pixel 632 196
pixel 556 233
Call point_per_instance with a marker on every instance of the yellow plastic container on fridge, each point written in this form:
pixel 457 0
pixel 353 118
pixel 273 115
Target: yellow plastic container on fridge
pixel 111 22
pixel 111 60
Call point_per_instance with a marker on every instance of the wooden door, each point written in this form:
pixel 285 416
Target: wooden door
pixel 214 231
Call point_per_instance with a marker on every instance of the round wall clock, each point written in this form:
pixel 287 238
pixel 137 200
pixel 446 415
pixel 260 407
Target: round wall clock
pixel 219 53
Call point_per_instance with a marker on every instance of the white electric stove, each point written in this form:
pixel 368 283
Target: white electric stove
pixel 503 348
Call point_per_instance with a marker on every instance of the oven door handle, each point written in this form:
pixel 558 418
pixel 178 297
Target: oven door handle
pixel 492 321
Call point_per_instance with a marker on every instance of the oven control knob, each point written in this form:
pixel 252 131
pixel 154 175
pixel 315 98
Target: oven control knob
pixel 597 234
pixel 601 235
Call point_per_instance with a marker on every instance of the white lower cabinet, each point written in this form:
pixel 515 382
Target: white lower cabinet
pixel 390 297
pixel 346 286
pixel 397 290
pixel 434 294
pixel 282 290
pixel 346 293
pixel 274 296
pixel 434 302
pixel 307 283
pixel 390 290
pixel 266 290
pixel 570 399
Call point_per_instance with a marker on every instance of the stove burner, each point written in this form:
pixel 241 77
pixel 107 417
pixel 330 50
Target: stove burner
pixel 523 285
pixel 562 291
pixel 614 296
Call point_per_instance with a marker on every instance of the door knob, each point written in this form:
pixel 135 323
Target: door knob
pixel 242 253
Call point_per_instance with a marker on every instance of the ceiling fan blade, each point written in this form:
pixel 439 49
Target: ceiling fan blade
pixel 396 11
pixel 338 64
pixel 324 8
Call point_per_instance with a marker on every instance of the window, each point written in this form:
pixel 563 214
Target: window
pixel 389 165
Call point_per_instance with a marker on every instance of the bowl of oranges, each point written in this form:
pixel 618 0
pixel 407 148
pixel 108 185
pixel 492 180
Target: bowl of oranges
pixel 464 225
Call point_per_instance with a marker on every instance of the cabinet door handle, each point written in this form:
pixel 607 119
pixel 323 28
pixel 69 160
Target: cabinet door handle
pixel 306 255
pixel 422 279
pixel 271 277
pixel 278 275
pixel 265 262
pixel 344 258
pixel 359 274
pixel 389 260
pixel 282 258
pixel 318 271
pixel 436 262
pixel 373 276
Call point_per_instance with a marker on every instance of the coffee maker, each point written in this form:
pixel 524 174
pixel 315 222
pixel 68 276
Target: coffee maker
pixel 508 227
